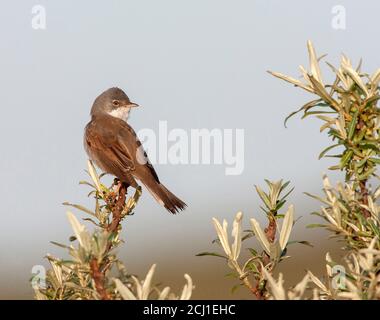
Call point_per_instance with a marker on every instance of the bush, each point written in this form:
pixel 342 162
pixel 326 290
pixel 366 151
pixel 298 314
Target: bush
pixel 88 273
pixel 351 117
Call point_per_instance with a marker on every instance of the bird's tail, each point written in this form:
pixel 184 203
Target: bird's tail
pixel 166 198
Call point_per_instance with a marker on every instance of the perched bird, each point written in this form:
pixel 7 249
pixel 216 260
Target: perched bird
pixel 115 148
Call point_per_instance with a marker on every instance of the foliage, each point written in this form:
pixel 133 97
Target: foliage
pixel 349 110
pixel 93 270
pixel 360 281
pixel 350 210
pixel 342 212
pixel 251 273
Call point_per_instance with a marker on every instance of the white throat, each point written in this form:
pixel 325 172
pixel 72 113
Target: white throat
pixel 121 113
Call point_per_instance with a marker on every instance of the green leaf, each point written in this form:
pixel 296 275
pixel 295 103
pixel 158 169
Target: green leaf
pixel 360 163
pixel 87 183
pixel 352 125
pixel 366 174
pixel 247 236
pixel 320 91
pixel 67 263
pixel 306 243
pixel 346 158
pixel 375 160
pixel 375 229
pixel 366 144
pixel 372 99
pixel 235 287
pixel 266 211
pixel 315 213
pixel 79 207
pixel 359 137
pixel 92 221
pixel 317 198
pixel 287 194
pixel 316 225
pixel 333 156
pixel 305 107
pixel 211 254
pixel 264 197
pixel 217 241
pixel 279 206
pixel 313 113
pixel 252 251
pixel 232 275
pixel 60 245
pixel 283 187
pixel 323 153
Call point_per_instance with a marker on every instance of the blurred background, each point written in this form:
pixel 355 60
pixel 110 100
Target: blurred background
pixel 195 64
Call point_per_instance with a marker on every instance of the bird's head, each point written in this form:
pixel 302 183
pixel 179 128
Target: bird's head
pixel 114 102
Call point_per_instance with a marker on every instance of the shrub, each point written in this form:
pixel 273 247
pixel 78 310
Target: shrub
pixel 88 272
pixel 350 114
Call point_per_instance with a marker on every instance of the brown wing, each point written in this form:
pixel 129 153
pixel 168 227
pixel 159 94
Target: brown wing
pixel 110 145
pixel 141 154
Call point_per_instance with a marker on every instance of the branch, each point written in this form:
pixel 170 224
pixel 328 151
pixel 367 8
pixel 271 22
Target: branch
pixel 270 232
pixel 364 198
pixel 99 279
pixel 98 273
pixel 117 209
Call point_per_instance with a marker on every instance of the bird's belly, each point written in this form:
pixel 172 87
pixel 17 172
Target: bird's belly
pixel 94 158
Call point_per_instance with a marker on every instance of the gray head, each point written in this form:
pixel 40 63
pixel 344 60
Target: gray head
pixel 114 102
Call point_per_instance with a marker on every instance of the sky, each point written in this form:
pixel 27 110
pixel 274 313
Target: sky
pixel 191 64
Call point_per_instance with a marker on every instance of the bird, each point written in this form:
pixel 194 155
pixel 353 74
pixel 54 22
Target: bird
pixel 112 144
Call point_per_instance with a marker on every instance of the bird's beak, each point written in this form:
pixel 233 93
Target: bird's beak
pixel 132 105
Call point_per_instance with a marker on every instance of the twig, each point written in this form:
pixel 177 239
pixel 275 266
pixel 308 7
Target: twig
pixel 118 208
pixel 270 232
pixel 98 273
pixel 99 279
pixel 246 282
pixel 364 197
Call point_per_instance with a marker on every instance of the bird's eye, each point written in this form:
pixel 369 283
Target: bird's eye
pixel 115 103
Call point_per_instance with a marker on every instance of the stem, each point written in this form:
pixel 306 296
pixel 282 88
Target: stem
pixel 99 279
pixel 364 198
pixel 117 209
pixel 98 273
pixel 246 282
pixel 363 184
pixel 270 233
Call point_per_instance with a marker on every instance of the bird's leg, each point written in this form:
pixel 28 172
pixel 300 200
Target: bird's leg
pixel 115 189
pixel 117 185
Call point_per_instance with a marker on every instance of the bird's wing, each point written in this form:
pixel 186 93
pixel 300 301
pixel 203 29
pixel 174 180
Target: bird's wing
pixel 130 139
pixel 148 165
pixel 109 145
